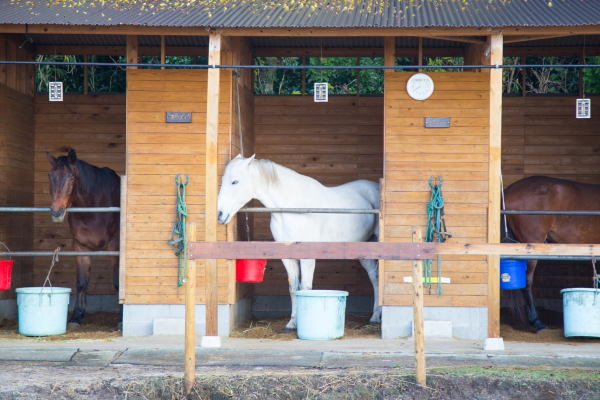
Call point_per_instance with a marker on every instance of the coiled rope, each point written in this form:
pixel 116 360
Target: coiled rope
pixel 180 243
pixel 435 223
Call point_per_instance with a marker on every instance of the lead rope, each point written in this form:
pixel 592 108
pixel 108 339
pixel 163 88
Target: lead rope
pixel 54 259
pixel 237 89
pixel 180 244
pixel 436 229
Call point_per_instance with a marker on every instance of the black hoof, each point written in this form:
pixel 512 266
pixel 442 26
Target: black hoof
pixel 539 325
pixel 369 323
pixel 288 330
pixel 120 327
pixel 73 326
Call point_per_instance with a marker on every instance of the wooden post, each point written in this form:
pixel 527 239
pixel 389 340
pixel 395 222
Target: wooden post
pixel 122 239
pixel 212 130
pixel 85 75
pixel 524 76
pixel 389 53
pixel 417 282
pixel 189 375
pixel 132 50
pixel 381 238
pixel 494 188
pixel 581 61
pixel 303 77
pixel 358 76
pixel 420 53
pixel 162 50
pixel 3 58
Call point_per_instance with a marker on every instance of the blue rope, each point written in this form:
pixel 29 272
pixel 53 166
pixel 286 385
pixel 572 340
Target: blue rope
pixel 180 243
pixel 436 228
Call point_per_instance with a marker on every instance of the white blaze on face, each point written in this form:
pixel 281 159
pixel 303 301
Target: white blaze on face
pixel 237 188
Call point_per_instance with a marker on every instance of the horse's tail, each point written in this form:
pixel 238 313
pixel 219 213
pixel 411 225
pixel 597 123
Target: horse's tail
pixel 517 308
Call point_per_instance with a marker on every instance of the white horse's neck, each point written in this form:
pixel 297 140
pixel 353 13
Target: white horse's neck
pixel 289 191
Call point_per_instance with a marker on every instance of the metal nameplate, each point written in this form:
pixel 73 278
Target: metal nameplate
pixel 437 122
pixel 179 117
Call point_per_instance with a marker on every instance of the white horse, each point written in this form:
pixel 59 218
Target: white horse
pixel 276 186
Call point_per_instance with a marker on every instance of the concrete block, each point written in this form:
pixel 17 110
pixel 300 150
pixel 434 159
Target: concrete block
pixel 48 354
pixel 436 329
pixel 493 344
pixel 174 326
pixel 210 341
pixel 136 329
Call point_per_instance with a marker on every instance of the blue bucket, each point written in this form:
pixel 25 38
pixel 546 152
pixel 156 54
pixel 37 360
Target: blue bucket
pixel 581 312
pixel 43 311
pixel 513 274
pixel 321 314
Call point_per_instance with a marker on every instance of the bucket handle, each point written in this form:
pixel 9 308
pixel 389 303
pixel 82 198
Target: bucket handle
pixel 54 259
pixel 6 249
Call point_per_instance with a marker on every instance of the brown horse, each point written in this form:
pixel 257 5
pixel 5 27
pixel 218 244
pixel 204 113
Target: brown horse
pixel 543 193
pixel 79 184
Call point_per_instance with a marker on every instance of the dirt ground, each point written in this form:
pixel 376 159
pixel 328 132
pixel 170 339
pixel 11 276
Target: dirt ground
pixel 99 326
pixel 35 382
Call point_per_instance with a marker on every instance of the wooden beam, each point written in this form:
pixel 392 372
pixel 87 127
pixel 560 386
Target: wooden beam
pixel 473 56
pixel 3 58
pixel 310 250
pixel 120 50
pixel 132 50
pixel 123 240
pixel 211 192
pixel 527 38
pixel 418 324
pixel 524 77
pixel 355 52
pixel 549 51
pixel 464 39
pixel 518 249
pixel 189 377
pixel 389 53
pixel 162 50
pixel 85 75
pixel 494 186
pixel 357 76
pixel 420 54
pixel 303 77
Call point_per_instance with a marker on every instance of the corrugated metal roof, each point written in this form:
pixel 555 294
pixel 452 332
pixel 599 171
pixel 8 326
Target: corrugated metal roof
pixel 308 13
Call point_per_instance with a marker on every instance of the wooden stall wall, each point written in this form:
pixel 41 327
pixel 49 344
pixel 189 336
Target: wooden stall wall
pixel 93 126
pixel 541 136
pixel 335 143
pixel 16 159
pixel 156 152
pixel 460 156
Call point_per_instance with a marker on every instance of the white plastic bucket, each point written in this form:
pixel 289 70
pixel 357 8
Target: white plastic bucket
pixel 581 311
pixel 43 311
pixel 321 314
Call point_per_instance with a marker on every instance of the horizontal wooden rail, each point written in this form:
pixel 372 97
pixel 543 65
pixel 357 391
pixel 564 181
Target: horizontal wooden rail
pixel 523 249
pixel 310 250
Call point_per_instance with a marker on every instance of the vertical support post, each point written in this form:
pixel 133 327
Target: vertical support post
pixel 581 61
pixel 381 238
pixel 162 50
pixel 189 374
pixel 122 239
pixel 495 139
pixel 132 50
pixel 389 53
pixel 303 77
pixel 524 76
pixel 85 75
pixel 417 282
pixel 420 53
pixel 212 135
pixel 3 58
pixel 358 76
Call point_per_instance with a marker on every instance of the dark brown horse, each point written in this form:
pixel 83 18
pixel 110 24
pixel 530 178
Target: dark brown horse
pixel 543 193
pixel 78 184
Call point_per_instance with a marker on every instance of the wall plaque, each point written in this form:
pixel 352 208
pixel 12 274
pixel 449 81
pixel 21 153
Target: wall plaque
pixel 437 122
pixel 179 117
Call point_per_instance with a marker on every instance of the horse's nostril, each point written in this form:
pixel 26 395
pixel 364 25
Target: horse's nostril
pixel 220 213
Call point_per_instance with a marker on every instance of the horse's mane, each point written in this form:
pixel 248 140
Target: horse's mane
pixel 268 171
pixel 90 177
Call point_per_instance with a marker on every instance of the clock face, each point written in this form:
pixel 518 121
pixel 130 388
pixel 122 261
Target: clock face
pixel 419 86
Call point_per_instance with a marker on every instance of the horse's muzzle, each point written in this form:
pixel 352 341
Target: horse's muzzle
pixel 58 216
pixel 220 218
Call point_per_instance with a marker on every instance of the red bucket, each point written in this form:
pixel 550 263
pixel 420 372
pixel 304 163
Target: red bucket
pixel 250 270
pixel 5 273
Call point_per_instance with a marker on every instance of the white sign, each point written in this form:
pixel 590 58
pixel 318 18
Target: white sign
pixel 321 91
pixel 55 91
pixel 584 108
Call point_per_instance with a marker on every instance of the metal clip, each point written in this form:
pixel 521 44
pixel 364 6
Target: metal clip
pixel 496 64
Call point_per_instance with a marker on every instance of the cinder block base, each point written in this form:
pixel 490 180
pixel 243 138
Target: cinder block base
pixel 174 326
pixel 436 329
pixel 493 344
pixel 210 341
pixel 467 322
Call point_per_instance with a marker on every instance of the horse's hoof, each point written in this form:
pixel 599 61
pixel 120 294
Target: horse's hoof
pixel 370 323
pixel 120 327
pixel 289 330
pixel 73 326
pixel 539 326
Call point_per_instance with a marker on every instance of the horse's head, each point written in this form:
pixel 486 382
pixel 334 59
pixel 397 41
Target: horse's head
pixel 63 183
pixel 237 188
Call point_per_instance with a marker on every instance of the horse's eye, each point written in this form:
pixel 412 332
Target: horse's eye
pixel 71 175
pixel 234 182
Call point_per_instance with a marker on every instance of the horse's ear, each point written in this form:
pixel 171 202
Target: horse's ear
pixel 248 160
pixel 72 157
pixel 238 156
pixel 51 158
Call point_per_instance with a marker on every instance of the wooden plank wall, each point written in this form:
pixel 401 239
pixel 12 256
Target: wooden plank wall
pixel 541 136
pixel 156 152
pixel 335 142
pixel 94 126
pixel 459 155
pixel 16 158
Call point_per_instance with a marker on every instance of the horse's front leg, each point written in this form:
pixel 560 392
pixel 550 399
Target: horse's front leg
pixel 84 266
pixel 372 268
pixel 293 268
pixel 532 314
pixel 307 268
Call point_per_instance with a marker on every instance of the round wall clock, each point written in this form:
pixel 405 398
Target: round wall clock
pixel 419 86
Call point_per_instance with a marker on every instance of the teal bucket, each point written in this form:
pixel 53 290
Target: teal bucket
pixel 581 311
pixel 321 314
pixel 43 311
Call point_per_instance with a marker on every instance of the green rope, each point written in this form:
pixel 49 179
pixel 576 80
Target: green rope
pixel 435 223
pixel 180 243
